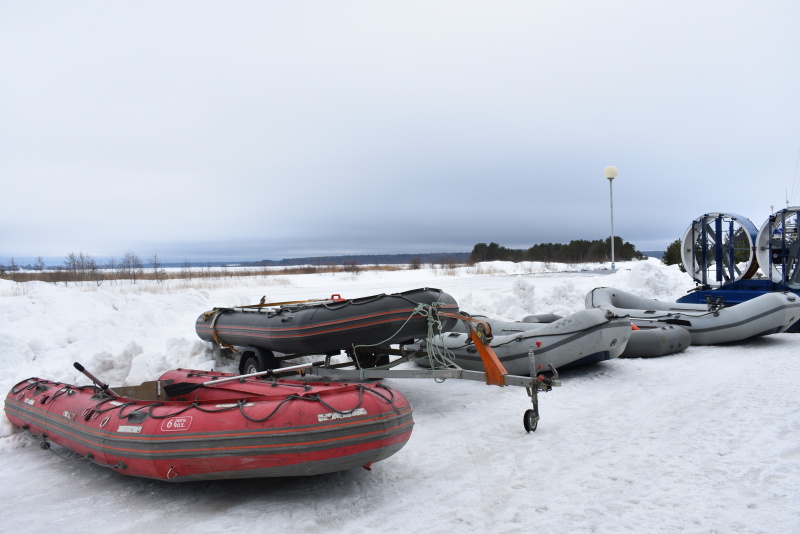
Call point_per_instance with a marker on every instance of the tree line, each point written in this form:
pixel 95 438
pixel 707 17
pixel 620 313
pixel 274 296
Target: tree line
pixel 576 251
pixel 81 268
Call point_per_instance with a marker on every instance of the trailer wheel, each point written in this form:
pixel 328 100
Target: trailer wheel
pixel 255 360
pixel 530 420
pixel 250 365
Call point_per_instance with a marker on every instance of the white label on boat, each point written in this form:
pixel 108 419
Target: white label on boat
pixel 232 405
pixel 30 401
pixel 176 423
pixel 115 403
pixel 129 429
pixel 336 415
pixel 68 415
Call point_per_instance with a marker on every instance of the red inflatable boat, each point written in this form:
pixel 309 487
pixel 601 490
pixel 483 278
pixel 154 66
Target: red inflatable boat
pixel 183 427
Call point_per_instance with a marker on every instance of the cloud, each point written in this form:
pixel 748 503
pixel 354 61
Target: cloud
pixel 284 129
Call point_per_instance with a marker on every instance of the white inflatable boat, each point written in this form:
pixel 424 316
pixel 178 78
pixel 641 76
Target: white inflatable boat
pixel 709 324
pixel 586 336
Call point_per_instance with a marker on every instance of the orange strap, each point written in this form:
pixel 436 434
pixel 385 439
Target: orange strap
pixel 481 333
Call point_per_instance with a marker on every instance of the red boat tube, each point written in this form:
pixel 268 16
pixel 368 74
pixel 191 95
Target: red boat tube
pixel 246 428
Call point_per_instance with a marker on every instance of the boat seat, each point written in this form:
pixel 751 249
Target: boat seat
pixel 148 391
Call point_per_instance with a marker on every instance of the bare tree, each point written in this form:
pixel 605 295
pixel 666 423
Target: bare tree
pixel 71 264
pixel 132 266
pixel 158 271
pixel 351 266
pixel 93 272
pixel 186 271
pixel 111 266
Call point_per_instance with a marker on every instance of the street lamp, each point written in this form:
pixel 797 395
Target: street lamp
pixel 611 173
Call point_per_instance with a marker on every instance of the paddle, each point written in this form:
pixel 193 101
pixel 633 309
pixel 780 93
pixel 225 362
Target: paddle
pixel 184 388
pixel 90 376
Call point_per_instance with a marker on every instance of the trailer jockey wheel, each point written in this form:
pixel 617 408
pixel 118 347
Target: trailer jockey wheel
pixel 530 419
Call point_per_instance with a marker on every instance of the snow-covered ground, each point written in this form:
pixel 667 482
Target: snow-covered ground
pixel 703 441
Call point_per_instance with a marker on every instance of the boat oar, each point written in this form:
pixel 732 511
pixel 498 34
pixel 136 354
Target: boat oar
pixel 90 376
pixel 184 388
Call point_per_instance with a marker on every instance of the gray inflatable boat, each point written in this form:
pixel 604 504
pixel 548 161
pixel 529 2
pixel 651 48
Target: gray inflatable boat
pixel 586 336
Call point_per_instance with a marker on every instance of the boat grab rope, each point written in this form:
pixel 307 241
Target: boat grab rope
pixel 44 385
pixel 40 386
pixel 318 398
pixel 31 383
pixel 47 446
pixel 668 315
pixel 240 404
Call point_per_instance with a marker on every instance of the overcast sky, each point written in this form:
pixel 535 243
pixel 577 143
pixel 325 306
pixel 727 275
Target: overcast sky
pixel 268 130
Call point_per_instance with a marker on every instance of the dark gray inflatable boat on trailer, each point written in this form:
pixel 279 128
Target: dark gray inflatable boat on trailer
pixel 319 327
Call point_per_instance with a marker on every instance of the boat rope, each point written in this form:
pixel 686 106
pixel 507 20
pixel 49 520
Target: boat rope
pixel 428 311
pixel 65 390
pixel 47 446
pixel 439 356
pixel 28 385
pixel 318 398
pixel 119 405
pixel 390 399
pixel 42 385
pixel 523 335
pixel 240 404
pixel 670 316
pixel 119 465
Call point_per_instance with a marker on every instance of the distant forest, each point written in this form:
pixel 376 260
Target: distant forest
pixel 576 251
pixel 441 258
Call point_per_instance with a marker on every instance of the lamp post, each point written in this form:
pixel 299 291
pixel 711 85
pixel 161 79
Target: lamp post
pixel 611 173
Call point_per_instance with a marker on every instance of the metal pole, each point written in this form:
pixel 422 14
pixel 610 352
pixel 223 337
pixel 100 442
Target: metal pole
pixel 611 193
pixel 611 173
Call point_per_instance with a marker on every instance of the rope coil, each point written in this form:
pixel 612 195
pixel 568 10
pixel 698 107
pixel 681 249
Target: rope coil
pixel 435 329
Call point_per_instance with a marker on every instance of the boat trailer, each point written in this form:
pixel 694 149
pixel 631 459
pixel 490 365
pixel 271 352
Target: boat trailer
pixel 375 363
